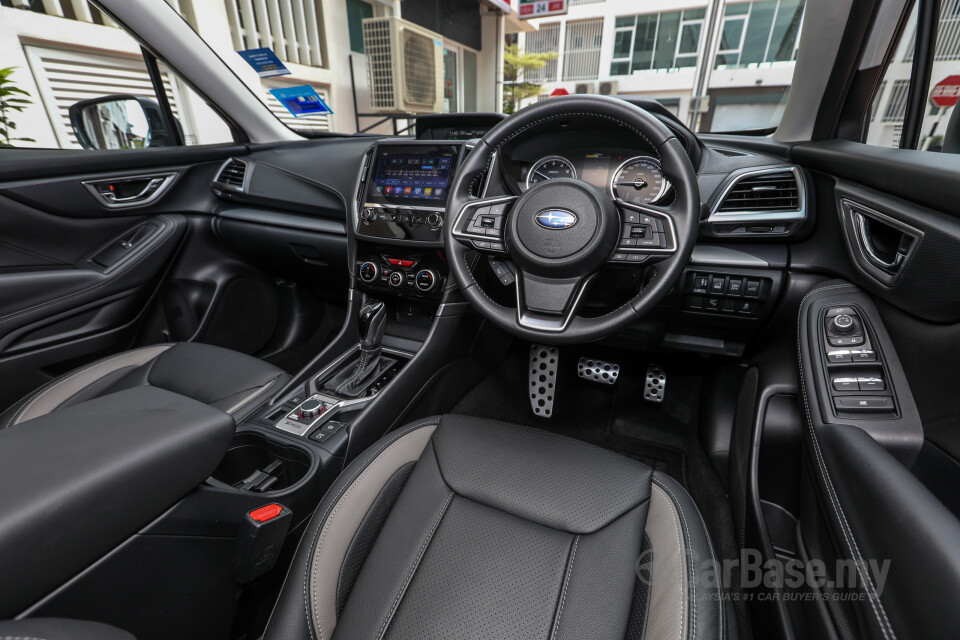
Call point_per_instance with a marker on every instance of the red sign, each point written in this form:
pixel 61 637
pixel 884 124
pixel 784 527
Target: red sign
pixel 946 92
pixel 541 8
pixel 559 92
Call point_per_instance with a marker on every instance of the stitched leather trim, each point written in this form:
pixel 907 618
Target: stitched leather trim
pixel 60 390
pixel 669 589
pixel 256 393
pixel 344 516
pixel 872 596
pixel 566 583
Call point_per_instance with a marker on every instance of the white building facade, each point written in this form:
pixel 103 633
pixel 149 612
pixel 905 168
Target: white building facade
pixel 66 50
pixel 717 64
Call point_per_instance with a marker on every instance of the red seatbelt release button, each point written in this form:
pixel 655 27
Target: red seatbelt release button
pixel 268 512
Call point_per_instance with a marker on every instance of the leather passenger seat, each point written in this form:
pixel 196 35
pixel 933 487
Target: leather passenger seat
pixel 224 379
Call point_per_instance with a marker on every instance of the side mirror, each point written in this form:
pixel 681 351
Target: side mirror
pixel 120 122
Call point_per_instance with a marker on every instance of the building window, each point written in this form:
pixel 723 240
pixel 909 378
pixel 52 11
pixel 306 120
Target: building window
pixel 545 40
pixel 357 11
pixel 761 32
pixel 896 109
pixel 581 56
pixel 948 34
pixel 668 40
pixel 575 3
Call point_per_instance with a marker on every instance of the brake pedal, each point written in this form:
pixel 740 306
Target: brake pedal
pixel 543 378
pixel 656 384
pixel 598 370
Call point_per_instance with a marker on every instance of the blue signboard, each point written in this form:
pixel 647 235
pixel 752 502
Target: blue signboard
pixel 264 61
pixel 302 101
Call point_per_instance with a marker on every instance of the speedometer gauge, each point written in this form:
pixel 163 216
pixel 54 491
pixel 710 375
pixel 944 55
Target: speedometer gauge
pixel 550 168
pixel 639 181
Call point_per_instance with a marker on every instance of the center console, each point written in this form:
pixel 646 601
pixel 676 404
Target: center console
pixel 401 199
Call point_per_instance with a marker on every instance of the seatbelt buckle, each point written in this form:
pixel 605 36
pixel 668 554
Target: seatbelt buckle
pixel 260 541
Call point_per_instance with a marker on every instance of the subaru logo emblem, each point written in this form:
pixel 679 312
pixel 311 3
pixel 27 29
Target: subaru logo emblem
pixel 556 219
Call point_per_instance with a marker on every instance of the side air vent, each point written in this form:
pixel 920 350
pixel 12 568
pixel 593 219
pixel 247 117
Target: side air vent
pixel 763 192
pixel 233 173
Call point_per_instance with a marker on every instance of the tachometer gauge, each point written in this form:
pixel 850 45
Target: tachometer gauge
pixel 639 181
pixel 550 168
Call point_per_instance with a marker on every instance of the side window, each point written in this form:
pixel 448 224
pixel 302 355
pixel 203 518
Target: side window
pixel 70 78
pixel 935 93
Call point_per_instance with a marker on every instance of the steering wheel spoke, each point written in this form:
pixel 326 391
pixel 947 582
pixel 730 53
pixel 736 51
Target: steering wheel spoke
pixel 548 304
pixel 648 233
pixel 480 223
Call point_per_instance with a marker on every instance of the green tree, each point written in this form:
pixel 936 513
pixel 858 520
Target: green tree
pixel 516 64
pixel 13 99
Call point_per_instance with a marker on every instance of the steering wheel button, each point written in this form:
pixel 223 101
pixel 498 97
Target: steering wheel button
pixel 481 244
pixel 498 209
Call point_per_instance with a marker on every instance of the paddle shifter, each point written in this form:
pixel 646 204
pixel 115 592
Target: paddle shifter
pixel 354 381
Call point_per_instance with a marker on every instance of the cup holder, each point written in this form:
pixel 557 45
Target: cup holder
pixel 258 464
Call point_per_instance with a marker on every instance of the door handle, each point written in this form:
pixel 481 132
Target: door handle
pixel 115 193
pixel 870 252
pixel 110 196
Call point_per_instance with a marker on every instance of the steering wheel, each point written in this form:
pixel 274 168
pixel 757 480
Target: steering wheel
pixel 560 232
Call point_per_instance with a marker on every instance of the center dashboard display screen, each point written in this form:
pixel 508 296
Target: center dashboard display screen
pixel 413 175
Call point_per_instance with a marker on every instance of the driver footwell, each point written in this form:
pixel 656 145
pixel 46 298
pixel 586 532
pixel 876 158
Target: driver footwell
pixel 616 417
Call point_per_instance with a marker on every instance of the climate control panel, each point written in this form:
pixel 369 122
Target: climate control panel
pixel 416 275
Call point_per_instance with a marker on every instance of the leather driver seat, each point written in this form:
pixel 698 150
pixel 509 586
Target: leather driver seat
pixel 225 379
pixel 458 527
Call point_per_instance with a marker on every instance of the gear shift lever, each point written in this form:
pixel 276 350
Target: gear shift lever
pixel 372 321
pixel 353 381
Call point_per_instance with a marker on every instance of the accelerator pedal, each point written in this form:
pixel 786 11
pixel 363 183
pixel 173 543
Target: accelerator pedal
pixel 543 379
pixel 656 384
pixel 598 370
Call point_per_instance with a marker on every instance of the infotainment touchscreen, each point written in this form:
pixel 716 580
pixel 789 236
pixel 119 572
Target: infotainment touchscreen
pixel 413 175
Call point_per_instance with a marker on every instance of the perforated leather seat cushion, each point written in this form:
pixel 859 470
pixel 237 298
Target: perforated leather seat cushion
pixel 458 527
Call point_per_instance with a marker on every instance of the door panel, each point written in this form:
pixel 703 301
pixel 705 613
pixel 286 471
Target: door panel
pixel 76 274
pixel 873 484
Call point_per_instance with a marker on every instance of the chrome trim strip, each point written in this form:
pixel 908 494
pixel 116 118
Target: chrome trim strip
pixel 709 255
pixel 756 217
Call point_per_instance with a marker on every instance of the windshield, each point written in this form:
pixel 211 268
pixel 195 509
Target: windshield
pixel 353 66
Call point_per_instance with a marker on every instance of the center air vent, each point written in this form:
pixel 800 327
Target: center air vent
pixel 233 173
pixel 769 191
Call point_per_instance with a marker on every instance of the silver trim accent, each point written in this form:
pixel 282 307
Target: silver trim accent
pixel 167 179
pixel 486 181
pixel 725 257
pixel 544 323
pixel 865 244
pixel 230 187
pixel 544 159
pixel 755 217
pixel 664 188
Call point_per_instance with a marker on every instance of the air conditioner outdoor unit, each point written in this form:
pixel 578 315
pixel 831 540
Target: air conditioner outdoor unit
pixel 608 87
pixel 404 66
pixel 584 87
